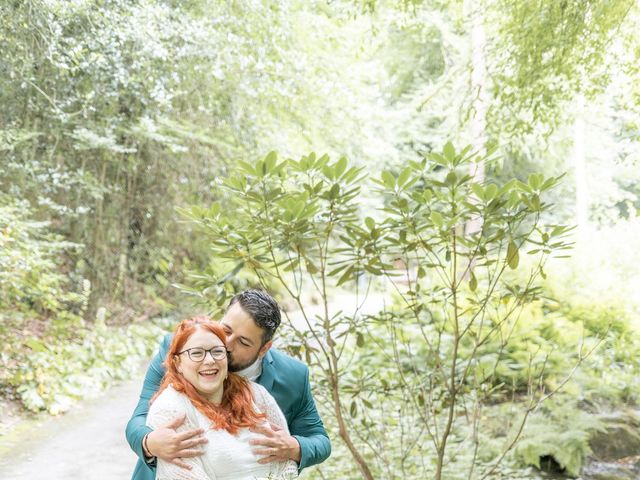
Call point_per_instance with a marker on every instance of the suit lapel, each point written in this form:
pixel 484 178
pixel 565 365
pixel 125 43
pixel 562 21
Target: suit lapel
pixel 268 372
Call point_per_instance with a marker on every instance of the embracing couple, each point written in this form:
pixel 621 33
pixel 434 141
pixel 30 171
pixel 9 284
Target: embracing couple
pixel 219 403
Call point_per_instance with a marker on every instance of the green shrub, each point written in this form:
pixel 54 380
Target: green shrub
pixel 440 239
pixel 52 373
pixel 32 275
pixel 560 432
pixel 50 357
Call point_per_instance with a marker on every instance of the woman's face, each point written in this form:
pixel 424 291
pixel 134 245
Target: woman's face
pixel 206 375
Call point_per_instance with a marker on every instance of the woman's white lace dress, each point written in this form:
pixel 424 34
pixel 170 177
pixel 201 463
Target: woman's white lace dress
pixel 226 456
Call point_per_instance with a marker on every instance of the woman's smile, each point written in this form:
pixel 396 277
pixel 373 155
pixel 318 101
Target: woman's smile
pixel 206 374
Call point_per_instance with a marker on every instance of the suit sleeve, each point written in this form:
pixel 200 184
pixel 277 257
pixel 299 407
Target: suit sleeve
pixel 308 429
pixel 137 428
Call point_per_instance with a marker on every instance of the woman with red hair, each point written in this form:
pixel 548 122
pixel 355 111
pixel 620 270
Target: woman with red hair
pixel 198 384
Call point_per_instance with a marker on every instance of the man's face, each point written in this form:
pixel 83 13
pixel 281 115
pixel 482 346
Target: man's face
pixel 244 338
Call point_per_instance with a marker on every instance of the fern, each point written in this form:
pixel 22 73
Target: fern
pixel 562 433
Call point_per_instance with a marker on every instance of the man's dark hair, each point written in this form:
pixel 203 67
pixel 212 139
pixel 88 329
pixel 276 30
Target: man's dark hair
pixel 262 308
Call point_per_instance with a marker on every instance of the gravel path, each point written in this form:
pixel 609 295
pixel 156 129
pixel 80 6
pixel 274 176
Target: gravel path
pixel 87 443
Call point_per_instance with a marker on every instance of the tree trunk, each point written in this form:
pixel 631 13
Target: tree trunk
pixel 344 431
pixel 580 171
pixel 479 95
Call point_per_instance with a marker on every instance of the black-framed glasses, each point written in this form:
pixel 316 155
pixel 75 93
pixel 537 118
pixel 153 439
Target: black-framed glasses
pixel 198 354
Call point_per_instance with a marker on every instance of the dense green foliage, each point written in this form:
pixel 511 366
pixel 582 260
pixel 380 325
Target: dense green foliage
pixel 124 119
pixel 30 280
pixel 444 242
pixel 52 373
pixel 50 356
pixel 114 112
pixel 566 48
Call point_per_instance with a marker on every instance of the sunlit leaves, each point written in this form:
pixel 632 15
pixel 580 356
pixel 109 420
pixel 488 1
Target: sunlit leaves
pixel 436 218
pixel 444 240
pixel 388 180
pixel 513 255
pixel 449 153
pixel 540 68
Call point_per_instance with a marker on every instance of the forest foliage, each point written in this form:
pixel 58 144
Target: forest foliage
pixel 125 124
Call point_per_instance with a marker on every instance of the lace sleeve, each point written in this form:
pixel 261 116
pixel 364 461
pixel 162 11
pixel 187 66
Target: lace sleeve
pixel 267 404
pixel 167 407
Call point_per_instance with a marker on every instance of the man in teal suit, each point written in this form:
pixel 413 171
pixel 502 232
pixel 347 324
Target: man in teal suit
pixel 249 323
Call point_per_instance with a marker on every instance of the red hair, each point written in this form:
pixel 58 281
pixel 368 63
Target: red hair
pixel 236 409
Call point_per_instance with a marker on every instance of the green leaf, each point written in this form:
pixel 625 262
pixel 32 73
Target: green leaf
pixel 346 276
pixel 353 410
pixel 370 223
pixel 404 176
pixel 373 270
pixel 270 161
pixel 311 267
pixel 535 180
pixel 491 191
pixel 473 283
pixel 340 166
pixel 360 340
pixel 35 345
pixel 449 152
pixel 436 218
pixel 388 179
pixel 513 256
pixel 439 159
pixel 214 209
pixel 477 189
pixel 232 273
pixel 246 167
pixel 535 202
pixel 337 270
pixel 452 178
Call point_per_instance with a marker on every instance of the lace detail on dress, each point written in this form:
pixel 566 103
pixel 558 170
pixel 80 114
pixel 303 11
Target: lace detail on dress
pixel 265 402
pixel 226 456
pixel 167 407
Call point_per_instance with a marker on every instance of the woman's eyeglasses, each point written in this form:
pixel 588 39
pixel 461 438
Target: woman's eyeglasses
pixel 198 354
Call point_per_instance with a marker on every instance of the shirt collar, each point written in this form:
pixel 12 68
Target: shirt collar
pixel 253 371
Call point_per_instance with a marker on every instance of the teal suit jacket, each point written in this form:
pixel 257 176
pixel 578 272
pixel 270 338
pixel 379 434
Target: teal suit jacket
pixel 285 378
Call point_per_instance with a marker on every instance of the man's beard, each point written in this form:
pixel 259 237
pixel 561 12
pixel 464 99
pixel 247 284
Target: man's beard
pixel 234 367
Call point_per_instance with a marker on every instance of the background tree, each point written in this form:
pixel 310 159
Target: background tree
pixel 117 112
pixel 296 225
